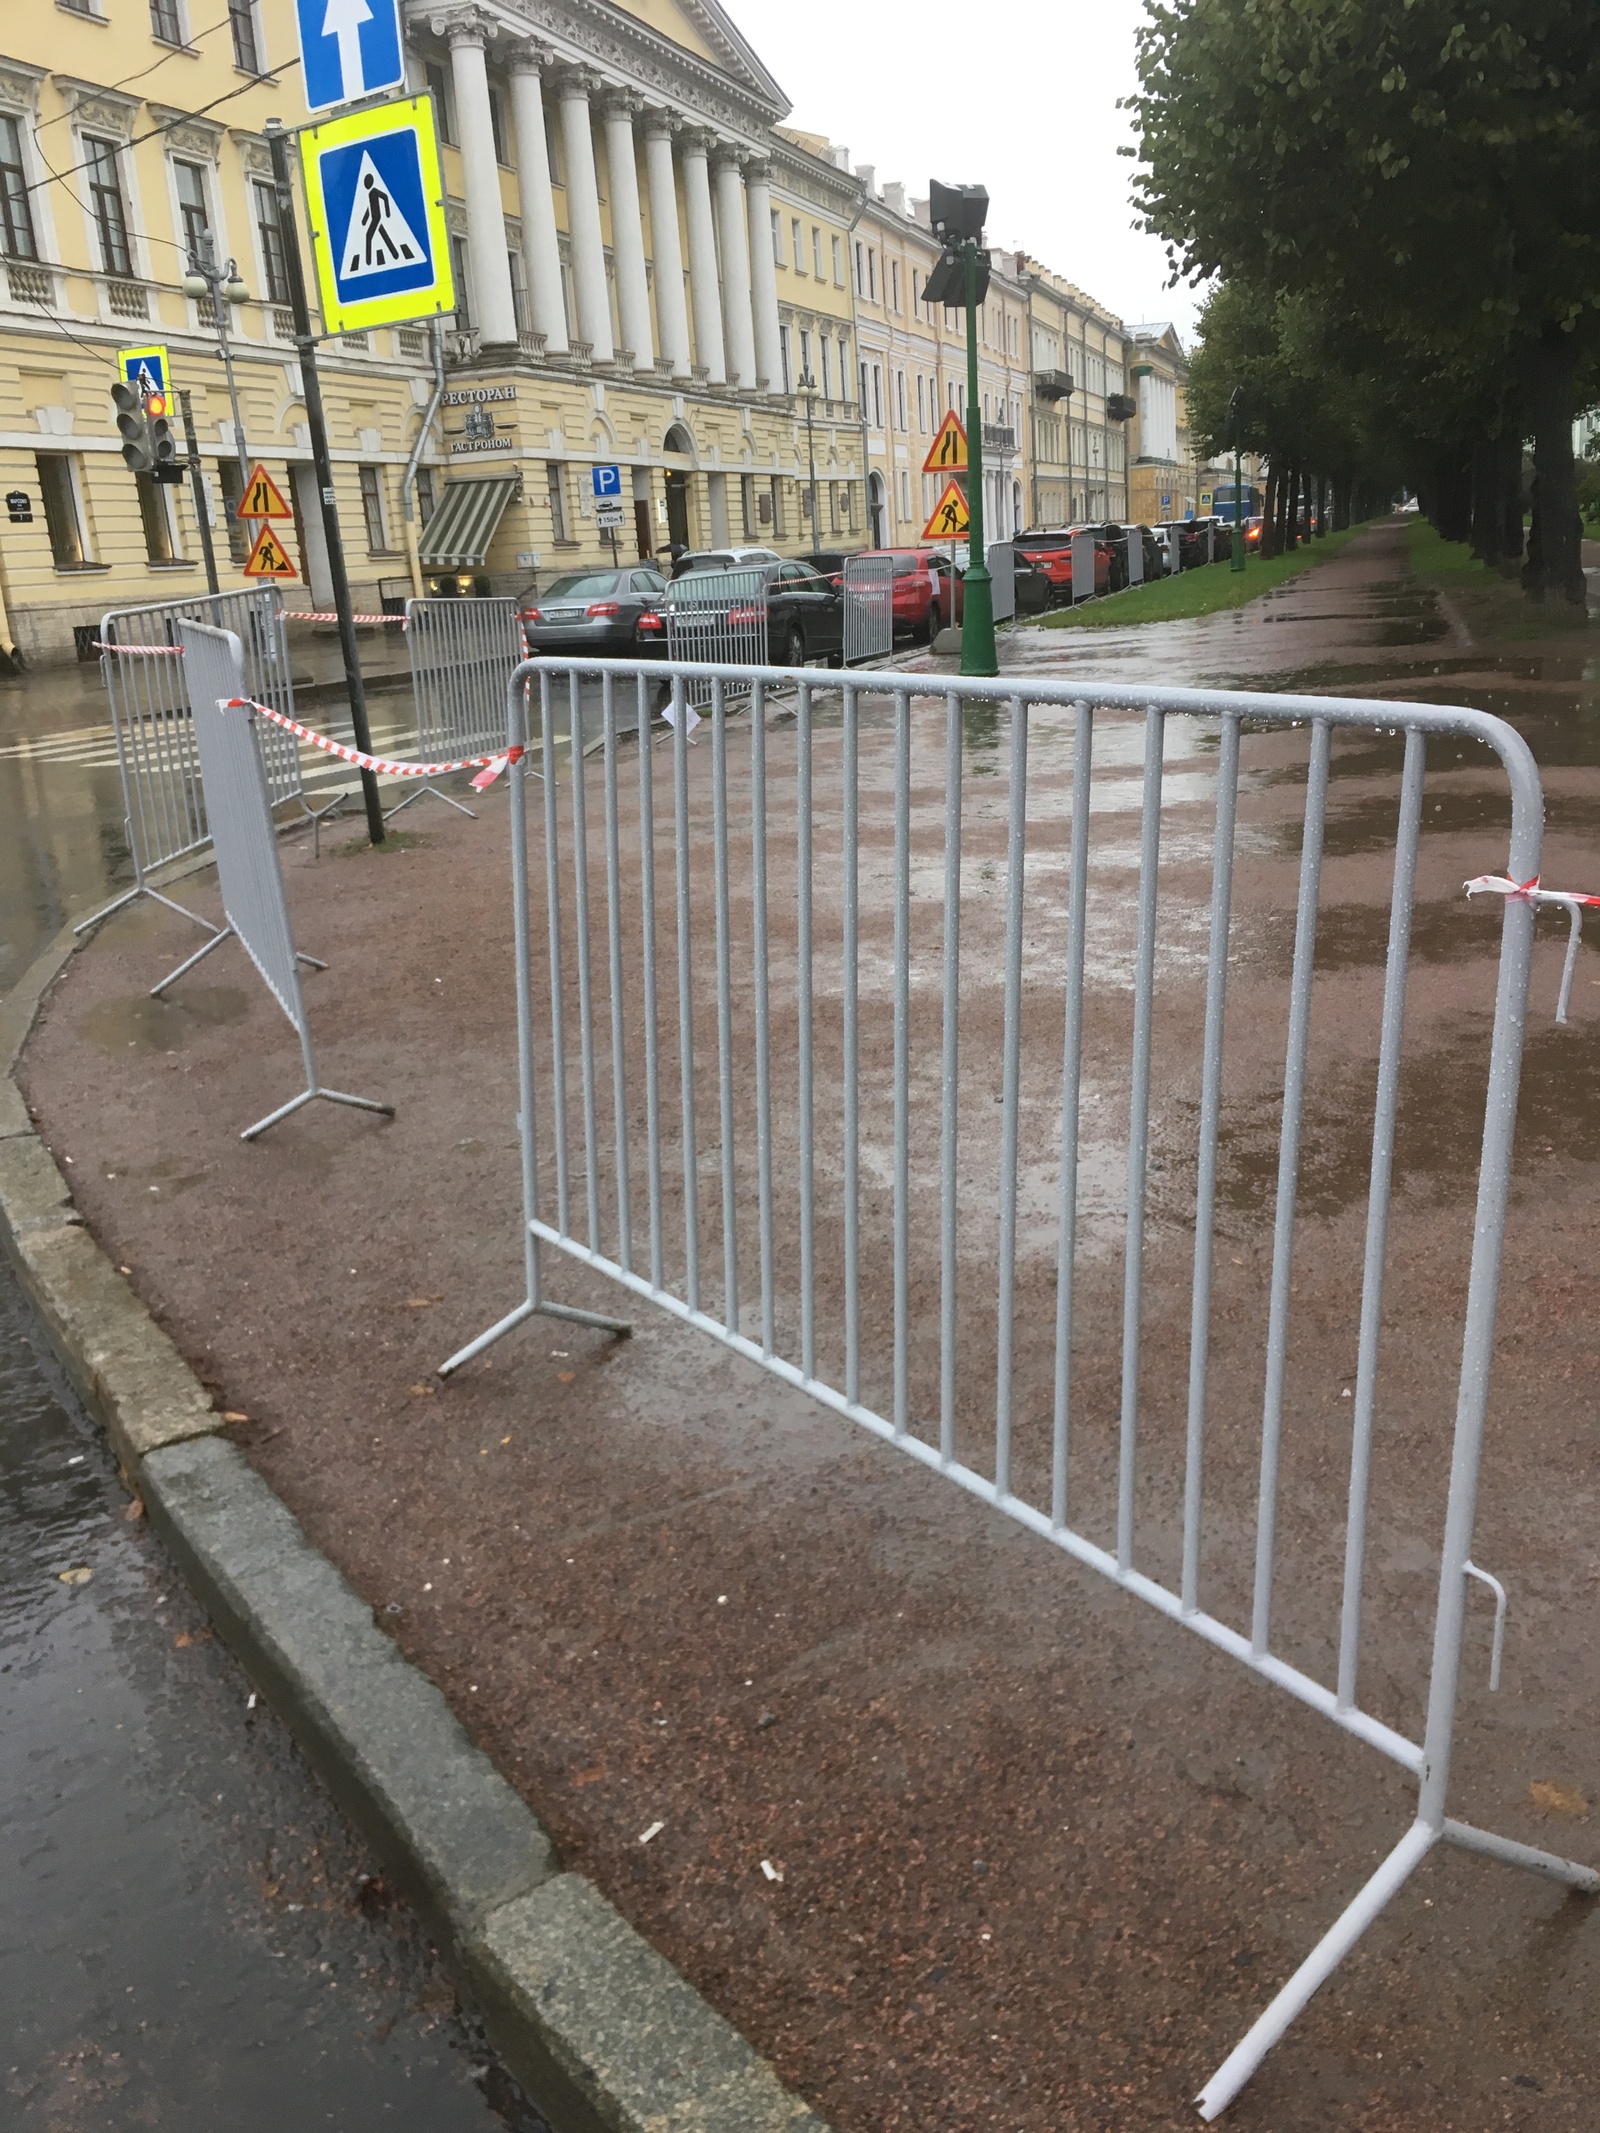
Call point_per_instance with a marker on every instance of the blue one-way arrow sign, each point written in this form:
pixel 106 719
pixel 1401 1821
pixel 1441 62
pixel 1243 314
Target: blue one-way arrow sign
pixel 349 49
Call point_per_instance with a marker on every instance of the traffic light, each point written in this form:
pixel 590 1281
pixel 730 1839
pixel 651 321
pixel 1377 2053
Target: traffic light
pixel 163 445
pixel 138 445
pixel 947 284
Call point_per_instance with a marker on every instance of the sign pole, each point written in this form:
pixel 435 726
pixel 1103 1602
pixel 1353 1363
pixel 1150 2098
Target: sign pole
pixel 197 484
pixel 311 389
pixel 977 625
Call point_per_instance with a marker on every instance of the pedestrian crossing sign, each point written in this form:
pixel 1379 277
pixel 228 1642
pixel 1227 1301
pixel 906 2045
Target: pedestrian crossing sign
pixel 376 209
pixel 262 497
pixel 949 521
pixel 269 558
pixel 147 368
pixel 948 454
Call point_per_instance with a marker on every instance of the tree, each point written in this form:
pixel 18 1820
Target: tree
pixel 1427 171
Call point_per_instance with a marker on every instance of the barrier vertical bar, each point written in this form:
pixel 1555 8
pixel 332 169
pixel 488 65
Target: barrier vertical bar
pixel 1206 1176
pixel 647 931
pixel 758 892
pixel 552 877
pixel 1294 1085
pixel 619 1082
pixel 1372 1272
pixel 1010 1091
pixel 580 898
pixel 805 976
pixel 902 1039
pixel 1071 1075
pixel 719 867
pixel 1139 1131
pixel 852 1091
pixel 950 1078
pixel 691 1177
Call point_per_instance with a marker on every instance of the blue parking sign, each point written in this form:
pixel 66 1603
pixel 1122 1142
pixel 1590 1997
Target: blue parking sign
pixel 607 481
pixel 349 49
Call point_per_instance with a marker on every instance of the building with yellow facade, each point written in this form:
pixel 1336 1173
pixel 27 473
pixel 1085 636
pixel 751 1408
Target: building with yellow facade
pixel 621 207
pixel 1078 403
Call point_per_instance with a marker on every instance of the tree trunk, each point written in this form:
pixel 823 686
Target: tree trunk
pixel 1555 550
pixel 1288 506
pixel 1322 507
pixel 1341 503
pixel 1510 451
pixel 1488 519
pixel 1269 513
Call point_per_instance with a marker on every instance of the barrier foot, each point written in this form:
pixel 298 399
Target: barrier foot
pixel 620 1326
pixel 1317 1968
pixel 315 961
pixel 307 1096
pixel 1528 1856
pixel 183 968
pixel 83 925
pixel 422 793
pixel 182 910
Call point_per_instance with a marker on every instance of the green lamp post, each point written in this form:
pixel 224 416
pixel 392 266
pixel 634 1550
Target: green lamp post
pixel 1232 436
pixel 957 214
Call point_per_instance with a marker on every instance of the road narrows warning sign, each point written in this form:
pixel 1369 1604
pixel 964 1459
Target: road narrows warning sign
pixel 262 497
pixel 268 558
pixel 948 453
pixel 949 521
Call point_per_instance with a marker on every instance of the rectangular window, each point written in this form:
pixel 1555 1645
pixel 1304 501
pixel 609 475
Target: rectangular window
pixel 242 22
pixel 777 238
pixel 16 215
pixel 900 397
pixel 865 402
pixel 872 274
pixel 497 126
pixel 372 509
pixel 424 492
pixel 838 263
pixel 861 268
pixel 797 244
pixel 61 514
pixel 807 375
pixel 164 22
pixel 894 283
pixel 916 294
pixel 816 251
pixel 778 527
pixel 444 104
pixel 905 495
pixel 558 501
pixel 827 370
pixel 922 404
pixel 231 483
pixel 747 505
pixel 105 205
pixel 195 222
pixel 877 396
pixel 783 354
pixel 156 518
pixel 269 229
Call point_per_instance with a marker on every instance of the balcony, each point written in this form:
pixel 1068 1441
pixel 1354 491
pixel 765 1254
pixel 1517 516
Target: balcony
pixel 126 299
pixel 30 285
pixel 1052 384
pixel 999 437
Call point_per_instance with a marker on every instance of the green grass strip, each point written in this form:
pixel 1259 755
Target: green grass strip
pixel 1204 591
pixel 1449 562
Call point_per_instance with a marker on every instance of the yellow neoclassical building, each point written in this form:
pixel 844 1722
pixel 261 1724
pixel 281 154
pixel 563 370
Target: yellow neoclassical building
pixel 624 209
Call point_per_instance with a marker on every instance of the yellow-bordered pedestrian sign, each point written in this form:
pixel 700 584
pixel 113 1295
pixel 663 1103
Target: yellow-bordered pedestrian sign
pixel 948 453
pixel 376 209
pixel 949 521
pixel 262 497
pixel 269 558
pixel 147 368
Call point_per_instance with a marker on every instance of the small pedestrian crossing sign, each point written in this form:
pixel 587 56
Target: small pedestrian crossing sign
pixel 949 521
pixel 262 497
pixel 269 558
pixel 948 453
pixel 146 368
pixel 376 202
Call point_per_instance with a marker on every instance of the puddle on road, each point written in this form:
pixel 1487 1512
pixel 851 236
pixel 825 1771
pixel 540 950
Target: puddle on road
pixel 135 1022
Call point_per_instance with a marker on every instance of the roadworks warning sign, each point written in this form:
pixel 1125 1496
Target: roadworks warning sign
pixel 949 521
pixel 269 558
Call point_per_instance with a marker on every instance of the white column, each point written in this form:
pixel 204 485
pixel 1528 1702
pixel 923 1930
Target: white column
pixel 672 313
pixel 496 313
pixel 583 215
pixel 627 232
pixel 763 279
pixel 541 249
pixel 733 228
pixel 703 290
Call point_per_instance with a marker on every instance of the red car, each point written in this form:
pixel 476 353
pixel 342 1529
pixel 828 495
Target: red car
pixel 1050 555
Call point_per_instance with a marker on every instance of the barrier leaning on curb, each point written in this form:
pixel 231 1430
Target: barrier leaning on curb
pixel 600 2030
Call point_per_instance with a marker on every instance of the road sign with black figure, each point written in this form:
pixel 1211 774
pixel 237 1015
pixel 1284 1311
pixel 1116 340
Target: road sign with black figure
pixel 376 201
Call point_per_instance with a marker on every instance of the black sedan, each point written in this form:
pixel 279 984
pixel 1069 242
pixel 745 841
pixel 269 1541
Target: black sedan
pixel 805 615
pixel 612 614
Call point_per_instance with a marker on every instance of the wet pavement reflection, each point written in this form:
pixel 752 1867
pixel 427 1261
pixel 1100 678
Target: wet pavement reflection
pixel 190 1937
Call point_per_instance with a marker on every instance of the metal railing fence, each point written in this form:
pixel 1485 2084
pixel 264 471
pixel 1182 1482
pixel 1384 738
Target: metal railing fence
pixel 157 757
pixel 716 618
pixel 462 654
pixel 233 759
pixel 868 607
pixel 899 900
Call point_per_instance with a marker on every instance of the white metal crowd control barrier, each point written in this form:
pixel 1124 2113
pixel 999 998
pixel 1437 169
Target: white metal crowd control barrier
pixel 719 618
pixel 233 758
pixel 840 1054
pixel 163 792
pixel 868 607
pixel 462 654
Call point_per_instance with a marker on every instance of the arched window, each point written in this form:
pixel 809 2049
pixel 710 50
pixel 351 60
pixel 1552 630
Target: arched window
pixel 678 440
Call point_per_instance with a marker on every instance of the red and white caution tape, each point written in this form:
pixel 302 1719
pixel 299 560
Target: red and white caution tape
pixel 143 651
pixel 1529 892
pixel 488 767
pixel 307 614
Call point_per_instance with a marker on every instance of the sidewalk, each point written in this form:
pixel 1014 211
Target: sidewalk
pixel 1043 1856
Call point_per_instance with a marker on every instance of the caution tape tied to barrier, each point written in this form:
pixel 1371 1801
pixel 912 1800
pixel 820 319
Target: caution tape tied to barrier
pixel 1527 892
pixel 488 767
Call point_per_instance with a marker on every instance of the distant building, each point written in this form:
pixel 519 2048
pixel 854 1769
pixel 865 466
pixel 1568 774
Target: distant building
pixel 1077 402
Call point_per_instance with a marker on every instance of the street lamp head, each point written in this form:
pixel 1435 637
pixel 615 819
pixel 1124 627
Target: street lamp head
pixel 196 285
pixel 234 290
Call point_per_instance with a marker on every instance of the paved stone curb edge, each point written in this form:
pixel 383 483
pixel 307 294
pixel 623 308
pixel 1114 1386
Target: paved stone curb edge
pixel 601 2031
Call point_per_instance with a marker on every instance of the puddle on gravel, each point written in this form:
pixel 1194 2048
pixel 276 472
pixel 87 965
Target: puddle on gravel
pixel 137 1023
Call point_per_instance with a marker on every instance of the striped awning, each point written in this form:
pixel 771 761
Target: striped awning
pixel 457 536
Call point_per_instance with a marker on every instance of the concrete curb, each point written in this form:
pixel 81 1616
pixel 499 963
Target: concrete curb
pixel 601 2031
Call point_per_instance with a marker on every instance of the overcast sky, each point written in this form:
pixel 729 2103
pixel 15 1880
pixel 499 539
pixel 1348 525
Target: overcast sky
pixel 1026 105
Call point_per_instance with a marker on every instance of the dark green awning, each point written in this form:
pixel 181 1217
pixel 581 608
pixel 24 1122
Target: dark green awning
pixel 457 536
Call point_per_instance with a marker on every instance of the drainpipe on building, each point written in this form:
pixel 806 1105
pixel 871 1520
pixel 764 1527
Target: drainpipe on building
pixel 408 480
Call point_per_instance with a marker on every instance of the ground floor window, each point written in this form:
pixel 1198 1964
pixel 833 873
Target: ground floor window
pixel 554 475
pixel 372 509
pixel 231 482
pixel 58 483
pixel 425 498
pixel 779 527
pixel 747 505
pixel 155 514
